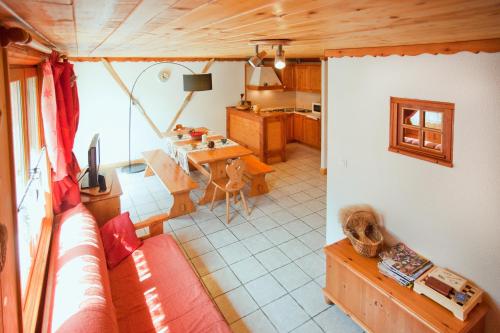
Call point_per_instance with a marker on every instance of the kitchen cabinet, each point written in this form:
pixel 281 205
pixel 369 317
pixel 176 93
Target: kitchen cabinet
pixel 308 77
pixel 306 130
pixel 298 127
pixel 289 128
pixel 264 133
pixel 315 77
pixel 302 77
pixel 312 132
pixel 288 77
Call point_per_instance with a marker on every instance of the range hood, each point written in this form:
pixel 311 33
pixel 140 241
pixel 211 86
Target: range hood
pixel 264 78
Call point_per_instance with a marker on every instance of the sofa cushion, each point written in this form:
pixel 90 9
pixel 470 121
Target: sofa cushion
pixel 79 295
pixel 156 290
pixel 119 239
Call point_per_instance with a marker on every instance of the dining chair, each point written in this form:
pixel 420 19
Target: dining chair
pixel 231 185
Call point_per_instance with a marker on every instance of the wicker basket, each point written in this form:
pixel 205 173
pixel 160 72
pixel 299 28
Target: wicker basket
pixel 362 230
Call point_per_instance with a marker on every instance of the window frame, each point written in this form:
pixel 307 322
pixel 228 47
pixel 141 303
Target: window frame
pixel 396 138
pixel 22 74
pixel 31 300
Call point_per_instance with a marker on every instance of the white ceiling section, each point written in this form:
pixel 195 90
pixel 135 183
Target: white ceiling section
pixel 223 28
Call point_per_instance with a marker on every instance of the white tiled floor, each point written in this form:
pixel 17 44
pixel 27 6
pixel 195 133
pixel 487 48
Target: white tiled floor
pixel 264 271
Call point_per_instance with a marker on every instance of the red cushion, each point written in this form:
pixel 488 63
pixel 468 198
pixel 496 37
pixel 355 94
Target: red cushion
pixel 119 239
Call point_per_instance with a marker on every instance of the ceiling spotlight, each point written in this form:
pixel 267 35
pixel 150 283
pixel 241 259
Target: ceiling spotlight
pixel 258 58
pixel 279 59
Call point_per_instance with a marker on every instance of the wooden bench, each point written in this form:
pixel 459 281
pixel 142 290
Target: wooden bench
pixel 175 180
pixel 256 171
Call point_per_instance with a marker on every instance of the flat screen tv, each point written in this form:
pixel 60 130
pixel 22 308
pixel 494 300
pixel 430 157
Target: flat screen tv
pixel 91 177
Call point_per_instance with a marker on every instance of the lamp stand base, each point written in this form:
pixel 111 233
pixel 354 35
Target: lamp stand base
pixel 134 168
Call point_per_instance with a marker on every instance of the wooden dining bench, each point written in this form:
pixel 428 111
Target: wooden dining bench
pixel 256 172
pixel 175 180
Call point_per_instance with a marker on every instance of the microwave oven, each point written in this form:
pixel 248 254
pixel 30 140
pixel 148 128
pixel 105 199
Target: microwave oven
pixel 316 108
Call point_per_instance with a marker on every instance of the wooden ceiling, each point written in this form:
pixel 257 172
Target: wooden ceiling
pixel 223 28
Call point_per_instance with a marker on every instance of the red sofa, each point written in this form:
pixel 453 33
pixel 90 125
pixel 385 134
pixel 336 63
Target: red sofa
pixel 154 290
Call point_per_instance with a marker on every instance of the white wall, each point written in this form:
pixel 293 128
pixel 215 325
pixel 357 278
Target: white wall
pixel 451 215
pixel 104 106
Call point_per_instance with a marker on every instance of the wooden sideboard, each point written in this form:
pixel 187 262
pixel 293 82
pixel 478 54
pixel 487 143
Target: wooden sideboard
pixel 379 304
pixel 106 206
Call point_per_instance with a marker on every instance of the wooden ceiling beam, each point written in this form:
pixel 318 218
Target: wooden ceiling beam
pixel 475 46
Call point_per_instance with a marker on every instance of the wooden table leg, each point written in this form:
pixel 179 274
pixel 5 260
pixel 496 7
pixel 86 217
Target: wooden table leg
pixel 217 171
pixel 258 186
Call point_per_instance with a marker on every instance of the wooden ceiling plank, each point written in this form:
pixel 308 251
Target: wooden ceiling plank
pixel 222 28
pixel 95 19
pixel 331 15
pixel 138 17
pixel 238 18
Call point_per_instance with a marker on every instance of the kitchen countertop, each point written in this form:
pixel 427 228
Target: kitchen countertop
pixel 273 112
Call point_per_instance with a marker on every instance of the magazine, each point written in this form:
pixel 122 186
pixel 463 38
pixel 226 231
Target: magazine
pixel 404 260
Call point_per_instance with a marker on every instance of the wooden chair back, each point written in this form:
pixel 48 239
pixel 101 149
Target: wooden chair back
pixel 235 172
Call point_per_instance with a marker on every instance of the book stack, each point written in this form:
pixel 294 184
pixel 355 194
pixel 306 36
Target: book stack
pixel 403 264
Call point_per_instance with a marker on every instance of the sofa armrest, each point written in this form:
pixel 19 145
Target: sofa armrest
pixel 154 224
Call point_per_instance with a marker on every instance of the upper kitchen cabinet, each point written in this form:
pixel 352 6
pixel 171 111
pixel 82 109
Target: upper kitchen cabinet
pixel 288 77
pixel 308 77
pixel 302 77
pixel 315 77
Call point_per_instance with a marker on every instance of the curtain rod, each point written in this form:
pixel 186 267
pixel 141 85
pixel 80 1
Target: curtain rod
pixel 38 46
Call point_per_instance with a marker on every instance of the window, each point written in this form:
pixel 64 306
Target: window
pixel 422 129
pixel 31 165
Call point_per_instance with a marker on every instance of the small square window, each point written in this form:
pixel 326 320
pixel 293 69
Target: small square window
pixel 422 129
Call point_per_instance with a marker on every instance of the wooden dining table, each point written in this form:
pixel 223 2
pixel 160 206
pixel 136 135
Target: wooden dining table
pixel 212 164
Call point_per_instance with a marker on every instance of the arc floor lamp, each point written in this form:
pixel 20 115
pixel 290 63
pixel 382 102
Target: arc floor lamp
pixel 191 82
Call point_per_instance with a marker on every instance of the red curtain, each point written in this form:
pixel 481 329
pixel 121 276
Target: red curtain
pixel 60 113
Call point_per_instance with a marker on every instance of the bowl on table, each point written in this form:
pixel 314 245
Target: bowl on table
pixel 196 135
pixel 223 140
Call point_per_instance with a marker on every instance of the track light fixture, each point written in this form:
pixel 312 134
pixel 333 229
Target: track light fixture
pixel 279 59
pixel 258 58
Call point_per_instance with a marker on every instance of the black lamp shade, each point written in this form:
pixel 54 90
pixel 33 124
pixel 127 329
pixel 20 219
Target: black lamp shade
pixel 197 82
